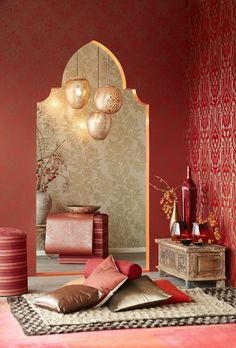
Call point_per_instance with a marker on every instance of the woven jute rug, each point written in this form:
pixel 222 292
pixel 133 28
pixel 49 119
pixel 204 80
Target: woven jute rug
pixel 209 306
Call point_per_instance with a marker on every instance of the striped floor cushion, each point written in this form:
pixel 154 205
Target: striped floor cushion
pixel 13 262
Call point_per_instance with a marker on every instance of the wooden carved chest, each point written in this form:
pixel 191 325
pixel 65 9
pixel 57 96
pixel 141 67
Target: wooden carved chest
pixel 192 263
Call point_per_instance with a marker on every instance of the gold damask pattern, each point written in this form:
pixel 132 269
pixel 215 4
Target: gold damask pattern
pixel 212 121
pixel 109 173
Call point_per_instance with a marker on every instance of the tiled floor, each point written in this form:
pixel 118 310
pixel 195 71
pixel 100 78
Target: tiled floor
pixel 51 264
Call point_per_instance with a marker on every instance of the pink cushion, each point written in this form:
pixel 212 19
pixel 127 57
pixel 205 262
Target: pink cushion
pixel 106 278
pixel 131 270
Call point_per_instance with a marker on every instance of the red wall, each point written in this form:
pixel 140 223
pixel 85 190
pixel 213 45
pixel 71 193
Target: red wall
pixel 36 40
pixel 212 124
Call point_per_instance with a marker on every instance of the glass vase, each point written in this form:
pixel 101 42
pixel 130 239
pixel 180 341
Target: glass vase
pixel 189 200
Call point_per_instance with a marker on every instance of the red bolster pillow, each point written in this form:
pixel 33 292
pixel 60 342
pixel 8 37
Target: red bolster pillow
pixel 131 270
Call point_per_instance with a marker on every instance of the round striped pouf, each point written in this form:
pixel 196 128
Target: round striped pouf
pixel 13 262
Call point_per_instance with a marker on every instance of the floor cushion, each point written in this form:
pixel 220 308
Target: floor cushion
pixel 130 269
pixel 137 293
pixel 69 298
pixel 177 295
pixel 106 278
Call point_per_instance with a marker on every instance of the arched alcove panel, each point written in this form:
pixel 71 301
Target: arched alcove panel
pixel 112 173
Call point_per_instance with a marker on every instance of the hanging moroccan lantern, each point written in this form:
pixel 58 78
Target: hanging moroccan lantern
pixel 108 99
pixel 77 92
pixel 99 125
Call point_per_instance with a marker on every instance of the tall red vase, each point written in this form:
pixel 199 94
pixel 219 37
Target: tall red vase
pixel 189 200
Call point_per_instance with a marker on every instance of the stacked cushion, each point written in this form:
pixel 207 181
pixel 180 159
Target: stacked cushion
pixel 100 285
pixel 177 296
pixel 69 298
pixel 137 293
pixel 144 292
pixel 105 282
pixel 130 269
pixel 106 278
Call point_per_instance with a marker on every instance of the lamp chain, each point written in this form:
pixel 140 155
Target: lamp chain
pixel 108 67
pixel 77 61
pixel 98 66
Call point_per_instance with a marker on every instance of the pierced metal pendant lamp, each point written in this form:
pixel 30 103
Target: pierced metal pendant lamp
pixel 99 125
pixel 108 99
pixel 77 90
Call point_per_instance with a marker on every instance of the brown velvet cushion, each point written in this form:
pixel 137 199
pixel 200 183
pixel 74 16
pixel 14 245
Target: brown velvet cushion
pixel 69 298
pixel 137 293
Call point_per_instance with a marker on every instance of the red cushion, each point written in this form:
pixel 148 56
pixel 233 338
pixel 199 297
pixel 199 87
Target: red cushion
pixel 131 270
pixel 178 296
pixel 106 278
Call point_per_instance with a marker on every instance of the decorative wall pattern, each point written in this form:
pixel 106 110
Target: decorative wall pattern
pixel 212 123
pixel 109 173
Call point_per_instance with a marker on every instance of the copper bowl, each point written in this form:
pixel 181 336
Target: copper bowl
pixel 82 209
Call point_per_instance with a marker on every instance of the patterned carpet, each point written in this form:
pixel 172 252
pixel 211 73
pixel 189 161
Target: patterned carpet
pixel 32 324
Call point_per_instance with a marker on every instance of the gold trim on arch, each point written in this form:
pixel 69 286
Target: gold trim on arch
pixel 115 60
pixel 146 110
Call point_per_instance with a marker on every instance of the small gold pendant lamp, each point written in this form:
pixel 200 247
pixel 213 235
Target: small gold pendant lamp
pixel 99 125
pixel 77 92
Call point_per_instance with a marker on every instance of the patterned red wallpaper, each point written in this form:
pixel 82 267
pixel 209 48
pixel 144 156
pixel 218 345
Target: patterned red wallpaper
pixel 212 123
